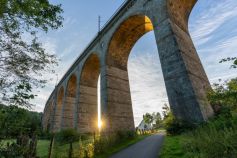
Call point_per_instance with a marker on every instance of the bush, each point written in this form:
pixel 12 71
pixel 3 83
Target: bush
pixel 67 136
pixel 13 150
pixel 175 126
pixel 106 141
pixel 125 135
pixel 215 139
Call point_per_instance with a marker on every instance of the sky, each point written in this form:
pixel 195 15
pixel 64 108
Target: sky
pixel 212 26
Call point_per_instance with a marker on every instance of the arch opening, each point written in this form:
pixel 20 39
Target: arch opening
pixel 47 120
pixel 120 110
pixel 70 102
pixel 88 98
pixel 125 38
pixel 214 40
pixel 147 86
pixel 218 40
pixel 58 113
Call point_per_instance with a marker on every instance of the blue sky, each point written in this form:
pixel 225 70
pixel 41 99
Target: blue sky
pixel 212 25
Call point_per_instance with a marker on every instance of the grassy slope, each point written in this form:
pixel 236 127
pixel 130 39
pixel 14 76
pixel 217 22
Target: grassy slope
pixel 172 148
pixel 214 139
pixel 121 146
pixel 62 150
pixel 42 148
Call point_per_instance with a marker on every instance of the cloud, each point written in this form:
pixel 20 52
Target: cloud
pixel 213 30
pixel 146 80
pixel 204 24
pixel 207 26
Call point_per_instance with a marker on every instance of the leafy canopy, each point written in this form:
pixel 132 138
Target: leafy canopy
pixel 23 60
pixel 234 59
pixel 224 94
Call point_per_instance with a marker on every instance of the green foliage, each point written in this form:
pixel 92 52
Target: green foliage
pixel 215 139
pixel 148 118
pixel 234 59
pixel 224 94
pixel 166 110
pixel 154 119
pixel 104 142
pixel 67 136
pixel 42 148
pixel 21 124
pixel 175 126
pixel 172 148
pixel 157 120
pixel 13 150
pixel 14 120
pixel 22 93
pixel 22 57
pixel 110 145
pixel 103 145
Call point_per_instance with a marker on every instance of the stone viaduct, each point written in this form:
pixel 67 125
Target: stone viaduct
pixel 73 103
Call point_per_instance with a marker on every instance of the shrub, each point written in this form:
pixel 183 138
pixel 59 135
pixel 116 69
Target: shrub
pixel 89 152
pixel 175 126
pixel 215 139
pixel 13 150
pixel 67 136
pixel 106 141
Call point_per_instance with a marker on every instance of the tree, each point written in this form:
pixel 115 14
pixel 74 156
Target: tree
pixel 68 136
pixel 148 118
pixel 166 110
pixel 22 125
pixel 23 60
pixel 234 59
pixel 14 120
pixel 157 119
pixel 224 94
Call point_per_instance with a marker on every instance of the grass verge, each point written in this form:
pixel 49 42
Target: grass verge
pixel 172 147
pixel 42 148
pixel 121 146
pixel 61 151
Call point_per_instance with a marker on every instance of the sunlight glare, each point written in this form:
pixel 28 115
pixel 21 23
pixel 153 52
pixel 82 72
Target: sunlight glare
pixel 99 105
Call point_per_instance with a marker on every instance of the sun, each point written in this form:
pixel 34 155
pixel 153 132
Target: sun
pixel 100 123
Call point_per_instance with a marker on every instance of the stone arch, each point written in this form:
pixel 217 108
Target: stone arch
pixel 186 88
pixel 58 112
pixel 125 38
pixel 47 119
pixel 87 109
pixel 120 113
pixel 179 13
pixel 70 102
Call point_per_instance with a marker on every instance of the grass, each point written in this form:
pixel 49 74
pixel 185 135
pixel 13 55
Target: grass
pixel 121 146
pixel 42 148
pixel 61 150
pixel 213 139
pixel 172 147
